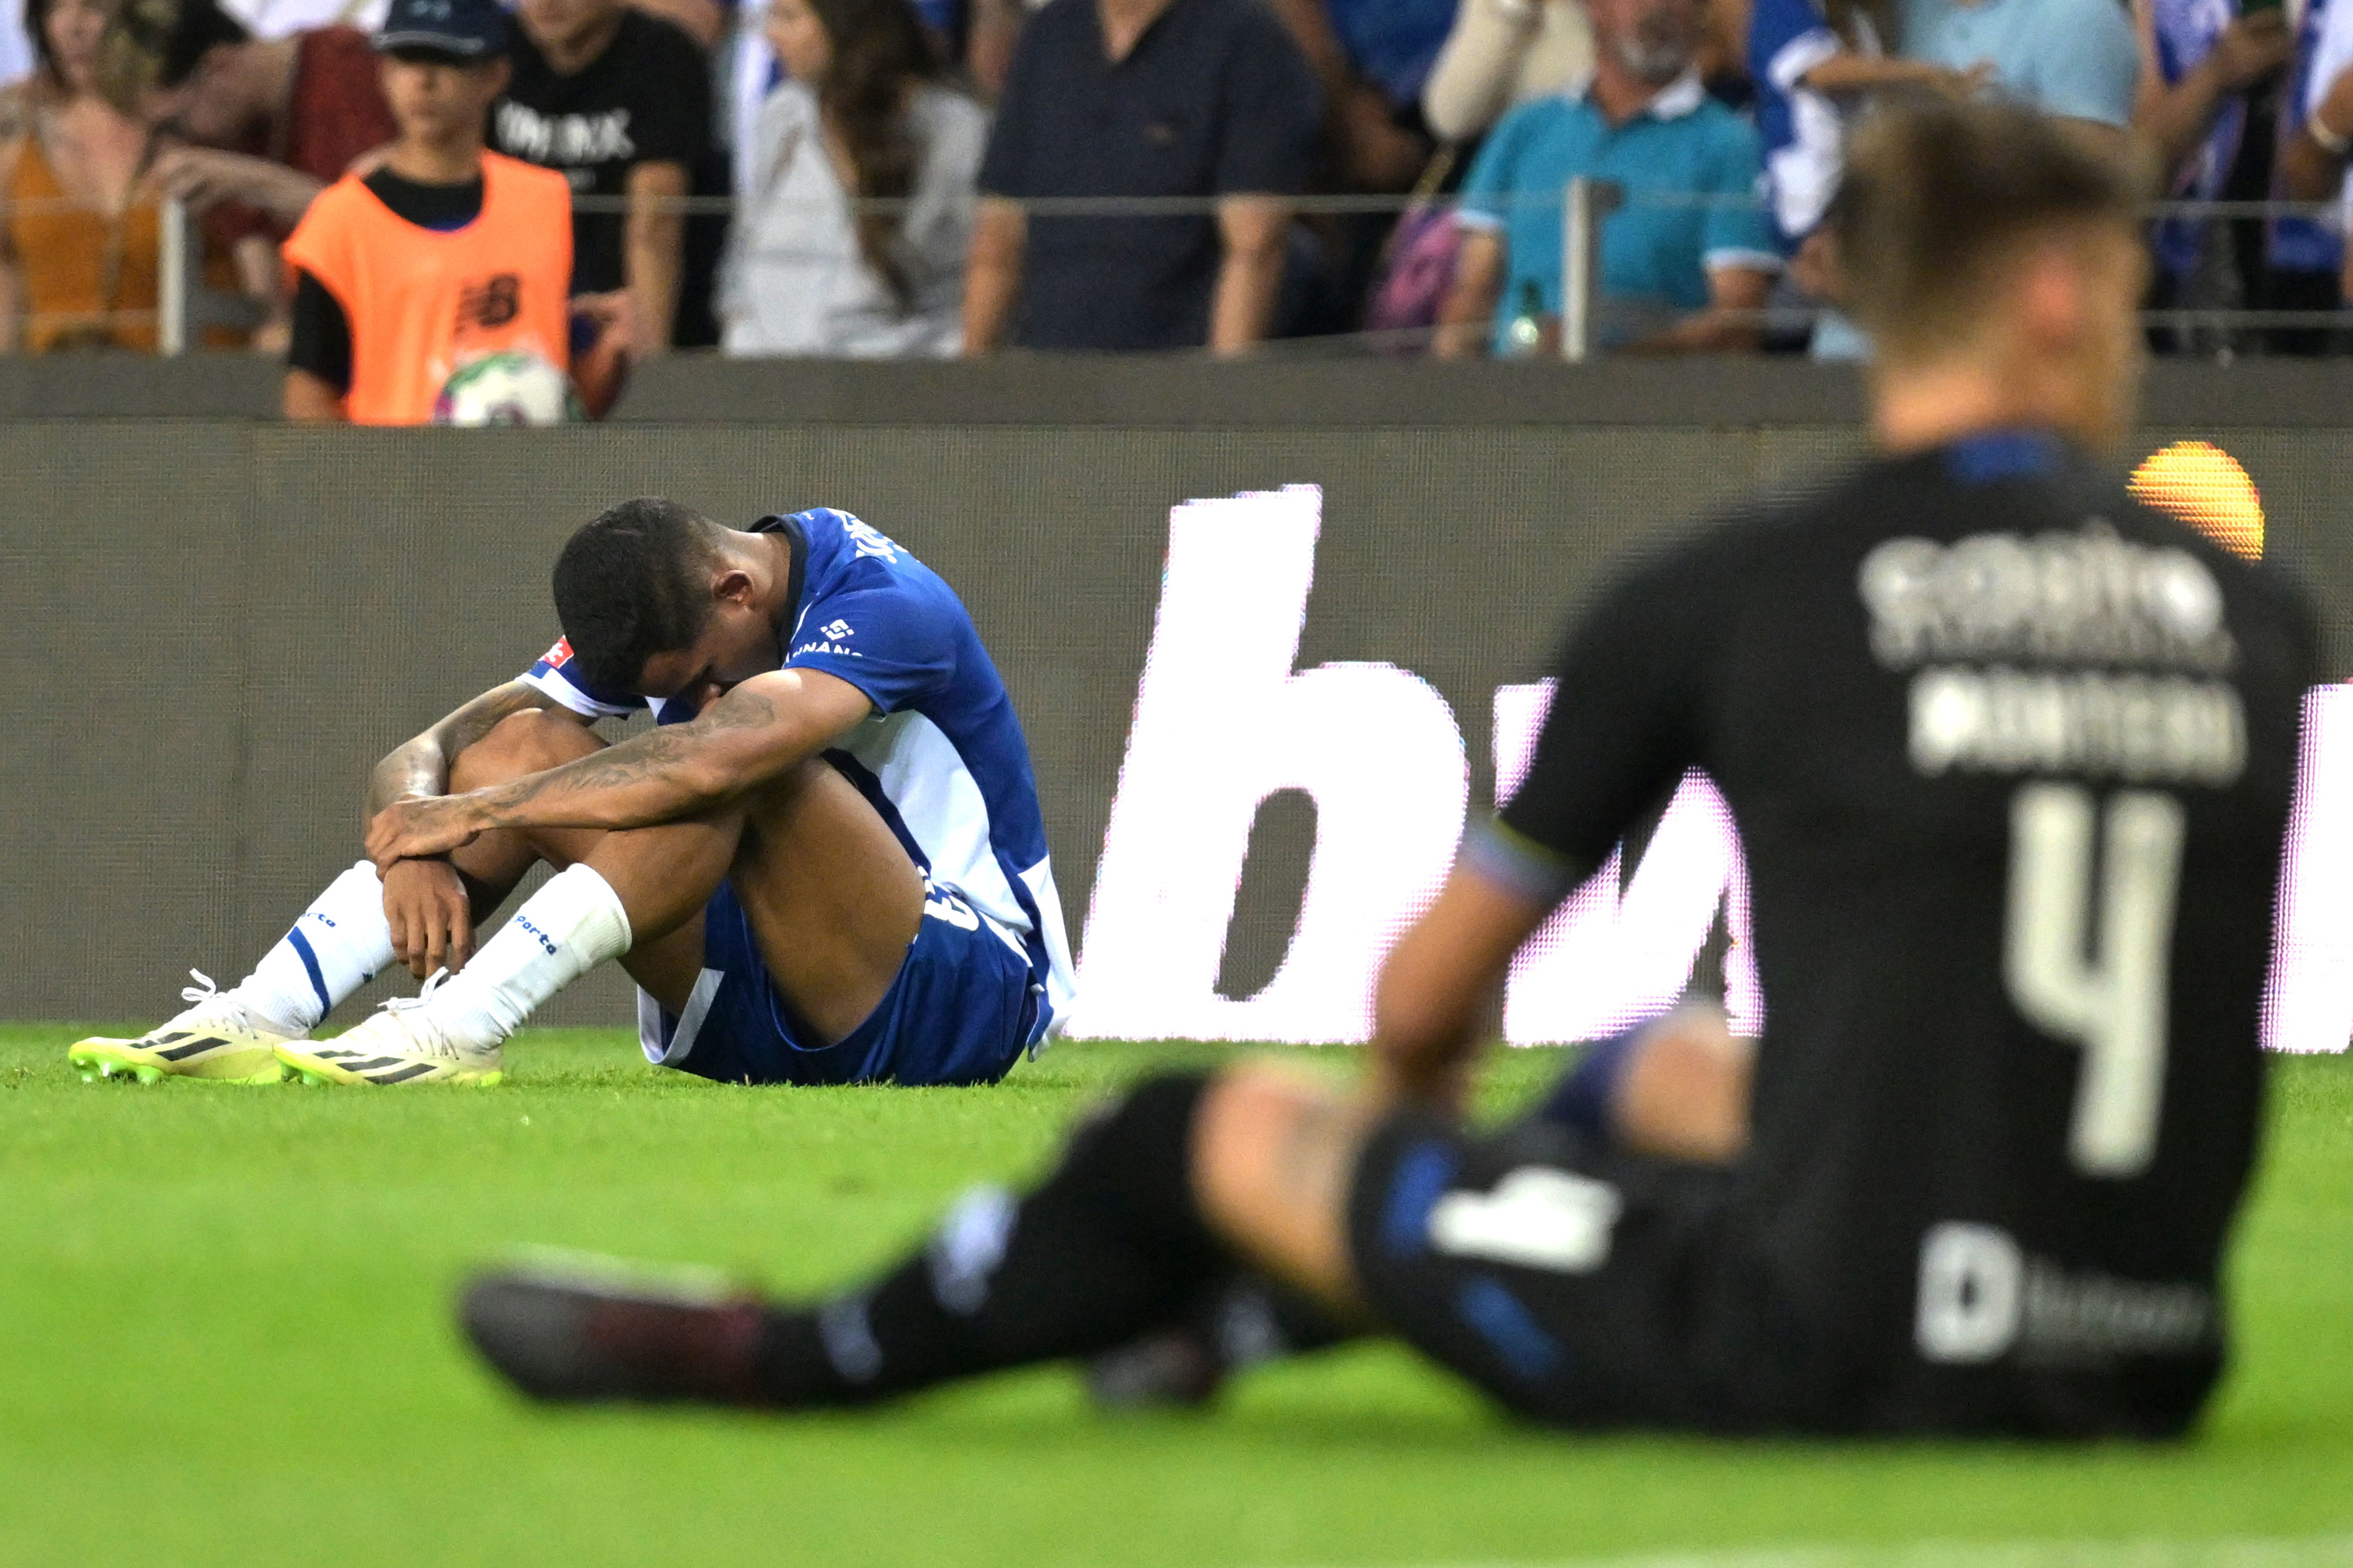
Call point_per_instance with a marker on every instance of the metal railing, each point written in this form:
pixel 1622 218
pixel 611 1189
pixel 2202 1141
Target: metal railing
pixel 186 307
pixel 1583 206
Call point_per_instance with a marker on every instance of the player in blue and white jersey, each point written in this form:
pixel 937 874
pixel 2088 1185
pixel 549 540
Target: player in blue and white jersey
pixel 826 864
pixel 1815 63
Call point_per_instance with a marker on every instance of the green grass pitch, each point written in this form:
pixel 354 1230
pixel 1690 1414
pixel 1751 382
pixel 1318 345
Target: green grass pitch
pixel 225 1320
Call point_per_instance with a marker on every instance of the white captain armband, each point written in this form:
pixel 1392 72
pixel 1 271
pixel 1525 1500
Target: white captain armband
pixel 1517 862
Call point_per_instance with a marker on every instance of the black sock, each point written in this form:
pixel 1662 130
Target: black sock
pixel 1109 1245
pixel 1586 1098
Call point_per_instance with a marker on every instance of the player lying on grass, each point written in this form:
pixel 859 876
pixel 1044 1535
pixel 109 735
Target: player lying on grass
pixel 2011 756
pixel 825 865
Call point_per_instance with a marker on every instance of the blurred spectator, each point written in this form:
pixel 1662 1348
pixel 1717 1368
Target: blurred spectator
pixel 1141 98
pixel 275 121
pixel 713 26
pixel 1811 66
pixel 78 265
pixel 2076 59
pixel 2199 59
pixel 1722 57
pixel 862 116
pixel 283 18
pixel 2308 259
pixel 261 126
pixel 992 28
pixel 748 74
pixel 620 102
pixel 17 59
pixel 1688 243
pixel 2072 60
pixel 1370 57
pixel 445 254
pixel 1500 54
pixel 78 243
pixel 704 21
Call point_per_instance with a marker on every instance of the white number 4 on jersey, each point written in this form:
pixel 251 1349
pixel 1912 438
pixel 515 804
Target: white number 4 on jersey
pixel 2114 1005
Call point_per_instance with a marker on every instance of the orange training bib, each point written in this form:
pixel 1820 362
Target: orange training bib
pixel 421 303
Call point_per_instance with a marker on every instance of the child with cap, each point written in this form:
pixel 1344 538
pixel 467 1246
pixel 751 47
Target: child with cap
pixel 445 256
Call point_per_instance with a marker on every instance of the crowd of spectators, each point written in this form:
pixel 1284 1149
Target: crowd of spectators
pixel 936 177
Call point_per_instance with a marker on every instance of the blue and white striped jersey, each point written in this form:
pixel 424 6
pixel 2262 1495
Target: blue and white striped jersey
pixel 1803 133
pixel 942 757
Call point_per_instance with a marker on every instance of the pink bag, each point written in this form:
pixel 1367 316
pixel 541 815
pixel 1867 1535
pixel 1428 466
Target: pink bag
pixel 1418 269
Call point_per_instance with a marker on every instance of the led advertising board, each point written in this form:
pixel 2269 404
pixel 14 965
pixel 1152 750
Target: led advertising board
pixel 1224 720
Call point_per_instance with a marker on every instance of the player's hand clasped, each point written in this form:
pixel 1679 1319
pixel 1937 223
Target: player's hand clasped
pixel 417 828
pixel 432 919
pixel 424 901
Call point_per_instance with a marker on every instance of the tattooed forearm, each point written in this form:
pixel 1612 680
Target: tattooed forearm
pixel 421 766
pixel 478 718
pixel 737 711
pixel 649 758
pixel 654 777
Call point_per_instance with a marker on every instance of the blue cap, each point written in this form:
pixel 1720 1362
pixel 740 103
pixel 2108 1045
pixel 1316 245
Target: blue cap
pixel 464 29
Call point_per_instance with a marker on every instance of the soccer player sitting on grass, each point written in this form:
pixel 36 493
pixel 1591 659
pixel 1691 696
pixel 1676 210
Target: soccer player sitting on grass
pixel 2011 756
pixel 825 865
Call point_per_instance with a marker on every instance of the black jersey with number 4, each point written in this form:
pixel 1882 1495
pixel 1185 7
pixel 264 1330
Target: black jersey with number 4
pixel 2011 759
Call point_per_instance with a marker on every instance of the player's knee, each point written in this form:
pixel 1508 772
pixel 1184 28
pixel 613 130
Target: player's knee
pixel 527 743
pixel 1273 1154
pixel 1685 1094
pixel 1251 1113
pixel 781 793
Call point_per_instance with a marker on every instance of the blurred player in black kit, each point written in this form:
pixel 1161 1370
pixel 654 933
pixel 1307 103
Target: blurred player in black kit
pixel 2011 756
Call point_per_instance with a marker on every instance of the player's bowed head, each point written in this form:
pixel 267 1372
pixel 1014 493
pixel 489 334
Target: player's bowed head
pixel 658 601
pixel 1994 255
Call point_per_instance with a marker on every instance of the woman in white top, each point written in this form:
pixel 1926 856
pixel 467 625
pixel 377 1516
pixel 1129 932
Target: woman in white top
pixel 862 118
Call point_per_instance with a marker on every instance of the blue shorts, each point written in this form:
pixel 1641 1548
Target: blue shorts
pixel 960 1012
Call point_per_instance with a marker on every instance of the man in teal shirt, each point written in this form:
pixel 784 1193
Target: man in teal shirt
pixel 1688 258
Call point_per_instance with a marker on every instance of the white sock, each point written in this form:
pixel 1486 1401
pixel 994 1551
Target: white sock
pixel 341 940
pixel 566 930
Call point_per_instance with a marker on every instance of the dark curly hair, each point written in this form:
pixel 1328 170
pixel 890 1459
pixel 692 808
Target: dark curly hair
pixel 634 582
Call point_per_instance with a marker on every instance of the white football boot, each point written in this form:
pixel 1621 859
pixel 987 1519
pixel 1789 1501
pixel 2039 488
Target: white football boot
pixel 398 1046
pixel 217 1037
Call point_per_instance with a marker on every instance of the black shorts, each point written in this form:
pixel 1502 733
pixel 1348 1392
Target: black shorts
pixel 1578 1285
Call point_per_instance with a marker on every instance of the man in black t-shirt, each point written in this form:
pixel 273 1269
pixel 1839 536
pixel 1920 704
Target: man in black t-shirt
pixel 620 102
pixel 2011 756
pixel 1148 99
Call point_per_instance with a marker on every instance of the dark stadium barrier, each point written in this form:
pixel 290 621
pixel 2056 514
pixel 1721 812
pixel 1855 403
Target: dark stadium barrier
pixel 1270 646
